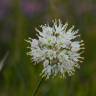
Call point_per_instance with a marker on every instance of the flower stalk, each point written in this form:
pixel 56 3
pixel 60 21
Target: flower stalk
pixel 38 86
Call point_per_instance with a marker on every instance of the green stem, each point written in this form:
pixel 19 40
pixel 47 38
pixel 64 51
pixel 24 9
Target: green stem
pixel 38 86
pixel 19 33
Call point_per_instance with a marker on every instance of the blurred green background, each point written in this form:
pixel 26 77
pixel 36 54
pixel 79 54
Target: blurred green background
pixel 18 19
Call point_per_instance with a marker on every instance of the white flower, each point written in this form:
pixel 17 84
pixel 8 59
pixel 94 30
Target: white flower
pixel 58 49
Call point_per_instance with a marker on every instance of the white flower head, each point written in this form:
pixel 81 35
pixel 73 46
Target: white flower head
pixel 57 48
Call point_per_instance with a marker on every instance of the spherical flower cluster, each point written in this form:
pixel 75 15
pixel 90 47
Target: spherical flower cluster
pixel 57 48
